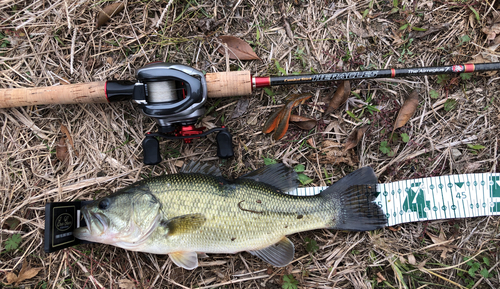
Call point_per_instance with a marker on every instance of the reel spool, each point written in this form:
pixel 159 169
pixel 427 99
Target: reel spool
pixel 172 94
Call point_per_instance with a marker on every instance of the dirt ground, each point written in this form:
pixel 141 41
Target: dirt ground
pixel 453 131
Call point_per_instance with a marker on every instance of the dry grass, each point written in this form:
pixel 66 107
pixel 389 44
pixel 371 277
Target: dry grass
pixel 54 42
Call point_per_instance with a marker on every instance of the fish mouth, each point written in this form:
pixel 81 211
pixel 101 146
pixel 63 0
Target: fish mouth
pixel 96 225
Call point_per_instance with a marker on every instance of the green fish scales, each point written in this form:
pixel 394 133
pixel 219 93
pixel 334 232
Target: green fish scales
pixel 241 215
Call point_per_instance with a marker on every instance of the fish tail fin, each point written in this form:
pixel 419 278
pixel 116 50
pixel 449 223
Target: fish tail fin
pixel 354 197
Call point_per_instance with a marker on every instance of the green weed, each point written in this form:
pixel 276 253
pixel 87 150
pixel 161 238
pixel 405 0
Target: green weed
pixel 289 282
pixel 311 245
pixel 12 243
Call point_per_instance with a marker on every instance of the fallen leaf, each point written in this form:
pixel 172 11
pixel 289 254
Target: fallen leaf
pixel 444 245
pixel 272 121
pixel 394 229
pixel 492 31
pixel 284 117
pixel 340 96
pixel 241 107
pixel 126 284
pixel 311 142
pixel 279 119
pixel 108 12
pixel 407 110
pixel 302 122
pixel 11 223
pixel 331 152
pixel 380 277
pixel 283 122
pixel 355 137
pixel 62 153
pixel 237 48
pixel 25 274
pixel 65 130
pixel 412 260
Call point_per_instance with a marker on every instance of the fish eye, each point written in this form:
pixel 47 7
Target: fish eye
pixel 104 204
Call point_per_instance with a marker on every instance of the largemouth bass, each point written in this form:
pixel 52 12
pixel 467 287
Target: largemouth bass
pixel 198 211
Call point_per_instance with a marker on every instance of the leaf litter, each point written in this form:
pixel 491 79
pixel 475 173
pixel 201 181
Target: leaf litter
pixel 26 273
pixel 237 48
pixel 108 12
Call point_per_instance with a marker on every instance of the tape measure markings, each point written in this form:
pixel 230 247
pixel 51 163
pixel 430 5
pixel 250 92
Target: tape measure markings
pixel 434 198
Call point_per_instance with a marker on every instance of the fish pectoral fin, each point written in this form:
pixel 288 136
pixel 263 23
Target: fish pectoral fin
pixel 279 254
pixel 186 260
pixel 184 224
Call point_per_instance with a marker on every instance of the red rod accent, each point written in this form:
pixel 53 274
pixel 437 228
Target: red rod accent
pixel 393 72
pixel 469 67
pixel 261 81
pixel 106 91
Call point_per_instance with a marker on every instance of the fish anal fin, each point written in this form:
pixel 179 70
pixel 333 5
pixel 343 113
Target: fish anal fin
pixel 186 260
pixel 279 254
pixel 184 224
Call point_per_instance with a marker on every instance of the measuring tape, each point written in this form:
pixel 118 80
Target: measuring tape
pixel 434 198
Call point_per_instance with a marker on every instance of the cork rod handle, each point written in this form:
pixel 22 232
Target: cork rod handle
pixel 225 84
pixel 221 84
pixel 93 92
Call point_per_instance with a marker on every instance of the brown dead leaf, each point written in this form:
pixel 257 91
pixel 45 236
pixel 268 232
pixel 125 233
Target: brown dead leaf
pixel 237 48
pixel 380 277
pixel 331 152
pixel 108 12
pixel 302 122
pixel 126 284
pixel 279 119
pixel 25 274
pixel 311 142
pixel 241 107
pixel 339 97
pixel 412 260
pixel 492 31
pixel 355 137
pixel 62 152
pixel 407 110
pixel 394 229
pixel 65 130
pixel 272 121
pixel 11 223
pixel 284 117
pixel 444 245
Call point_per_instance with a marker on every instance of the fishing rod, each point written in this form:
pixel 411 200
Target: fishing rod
pixel 174 94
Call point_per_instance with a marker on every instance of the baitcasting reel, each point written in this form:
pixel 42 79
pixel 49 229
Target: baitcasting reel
pixel 172 94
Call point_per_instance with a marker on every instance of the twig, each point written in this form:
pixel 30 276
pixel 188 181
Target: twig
pixel 163 13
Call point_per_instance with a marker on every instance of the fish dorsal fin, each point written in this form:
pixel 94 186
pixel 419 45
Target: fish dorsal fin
pixel 362 176
pixel 276 175
pixel 200 168
pixel 184 224
pixel 279 254
pixel 186 260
